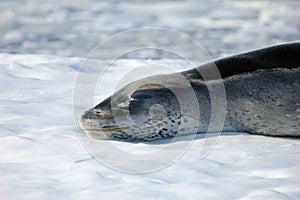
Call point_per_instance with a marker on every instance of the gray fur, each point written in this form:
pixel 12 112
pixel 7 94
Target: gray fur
pixel 262 89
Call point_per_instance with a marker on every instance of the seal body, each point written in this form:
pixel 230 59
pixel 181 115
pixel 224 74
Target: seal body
pixel 265 102
pixel 262 92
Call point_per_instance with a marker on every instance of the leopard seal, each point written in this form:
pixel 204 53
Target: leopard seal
pixel 262 90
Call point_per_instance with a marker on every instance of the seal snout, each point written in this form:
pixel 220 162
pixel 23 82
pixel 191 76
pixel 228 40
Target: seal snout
pixel 96 125
pixel 89 120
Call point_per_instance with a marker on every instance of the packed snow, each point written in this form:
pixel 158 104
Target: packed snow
pixel 43 157
pixel 43 154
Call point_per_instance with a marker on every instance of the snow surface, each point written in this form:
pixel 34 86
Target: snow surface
pixel 42 155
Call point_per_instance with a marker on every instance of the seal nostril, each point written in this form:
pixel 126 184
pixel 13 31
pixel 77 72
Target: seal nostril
pixel 98 112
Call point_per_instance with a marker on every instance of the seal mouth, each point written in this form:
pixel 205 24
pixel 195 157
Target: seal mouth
pixel 101 133
pixel 107 129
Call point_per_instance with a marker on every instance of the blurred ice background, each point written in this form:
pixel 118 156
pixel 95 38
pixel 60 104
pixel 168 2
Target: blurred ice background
pixel 73 28
pixel 43 44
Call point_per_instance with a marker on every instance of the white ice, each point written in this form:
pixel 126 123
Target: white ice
pixel 42 156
